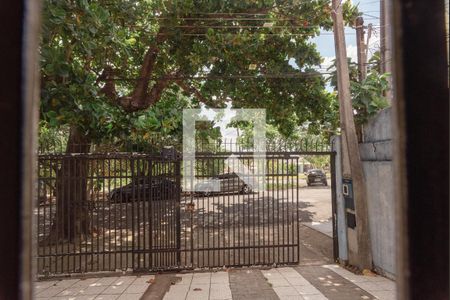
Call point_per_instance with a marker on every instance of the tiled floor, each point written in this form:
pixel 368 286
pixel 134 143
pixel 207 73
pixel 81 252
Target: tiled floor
pixel 380 287
pixel 301 283
pixel 106 288
pixel 199 286
pixel 289 284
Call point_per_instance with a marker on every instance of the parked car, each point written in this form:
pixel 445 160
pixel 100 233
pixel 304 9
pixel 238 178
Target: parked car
pixel 144 189
pixel 316 176
pixel 225 183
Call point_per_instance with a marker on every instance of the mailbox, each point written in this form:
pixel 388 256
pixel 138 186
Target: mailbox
pixel 347 191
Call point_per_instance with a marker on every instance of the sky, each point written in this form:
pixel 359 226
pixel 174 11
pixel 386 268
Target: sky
pixel 371 14
pixel 325 46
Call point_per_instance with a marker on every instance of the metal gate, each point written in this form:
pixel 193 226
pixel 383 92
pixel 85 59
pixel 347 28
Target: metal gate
pixel 107 212
pixel 238 225
pixel 127 211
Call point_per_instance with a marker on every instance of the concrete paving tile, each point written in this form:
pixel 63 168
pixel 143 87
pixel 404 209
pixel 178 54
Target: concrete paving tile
pixel 278 282
pixel 219 291
pixel 136 288
pixel 130 297
pixel 288 272
pixel 202 274
pixel 106 281
pixel 297 280
pixel 306 290
pixel 93 290
pixel 332 285
pixel 357 278
pixel 51 291
pixel 115 289
pixel 186 279
pixel 106 297
pixel 124 280
pixel 376 286
pixel 315 297
pixel 384 295
pixel 144 279
pixel 85 282
pixel 219 277
pixel 66 282
pixel 285 291
pixel 198 292
pixel 44 284
pixel 297 297
pixel 273 273
pixel 200 281
pixel 386 286
pixel 79 297
pixel 197 296
pixel 71 291
pixel 378 278
pixel 369 286
pixel 201 278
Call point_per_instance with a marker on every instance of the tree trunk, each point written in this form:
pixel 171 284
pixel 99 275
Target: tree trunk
pixel 72 218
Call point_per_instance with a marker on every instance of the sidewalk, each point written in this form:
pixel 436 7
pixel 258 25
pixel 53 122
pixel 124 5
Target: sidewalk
pixel 297 282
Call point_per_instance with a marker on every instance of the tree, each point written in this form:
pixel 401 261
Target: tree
pixel 105 63
pixel 368 95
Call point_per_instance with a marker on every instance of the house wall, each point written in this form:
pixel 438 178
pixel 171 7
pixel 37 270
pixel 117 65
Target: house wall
pixel 376 154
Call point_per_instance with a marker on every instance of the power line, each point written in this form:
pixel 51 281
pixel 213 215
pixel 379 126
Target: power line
pixel 228 19
pixel 235 33
pixel 242 26
pixel 220 77
pixel 371 2
pixel 372 16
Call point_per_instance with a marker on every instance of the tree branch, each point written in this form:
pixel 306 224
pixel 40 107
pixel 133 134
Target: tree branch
pixel 130 104
pixel 193 91
pixel 141 98
pixel 140 91
pixel 109 90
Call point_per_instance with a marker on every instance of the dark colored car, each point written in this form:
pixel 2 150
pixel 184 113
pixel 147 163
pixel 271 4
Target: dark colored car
pixel 225 183
pixel 316 176
pixel 145 189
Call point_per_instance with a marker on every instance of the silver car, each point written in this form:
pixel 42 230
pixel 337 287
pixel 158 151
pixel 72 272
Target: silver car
pixel 224 183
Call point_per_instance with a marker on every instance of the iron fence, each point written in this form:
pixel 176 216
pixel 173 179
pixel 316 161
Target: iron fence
pixel 107 212
pixel 129 211
pixel 306 144
pixel 237 225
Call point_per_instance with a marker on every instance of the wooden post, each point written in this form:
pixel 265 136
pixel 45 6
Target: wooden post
pixel 361 48
pixel 350 142
pixel 385 43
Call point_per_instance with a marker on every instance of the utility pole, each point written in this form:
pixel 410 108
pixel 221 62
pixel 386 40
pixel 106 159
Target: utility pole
pixel 361 48
pixel 350 141
pixel 385 43
pixel 369 35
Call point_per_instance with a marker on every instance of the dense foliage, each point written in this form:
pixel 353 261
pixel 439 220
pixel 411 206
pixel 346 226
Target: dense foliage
pixel 121 70
pixel 367 95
